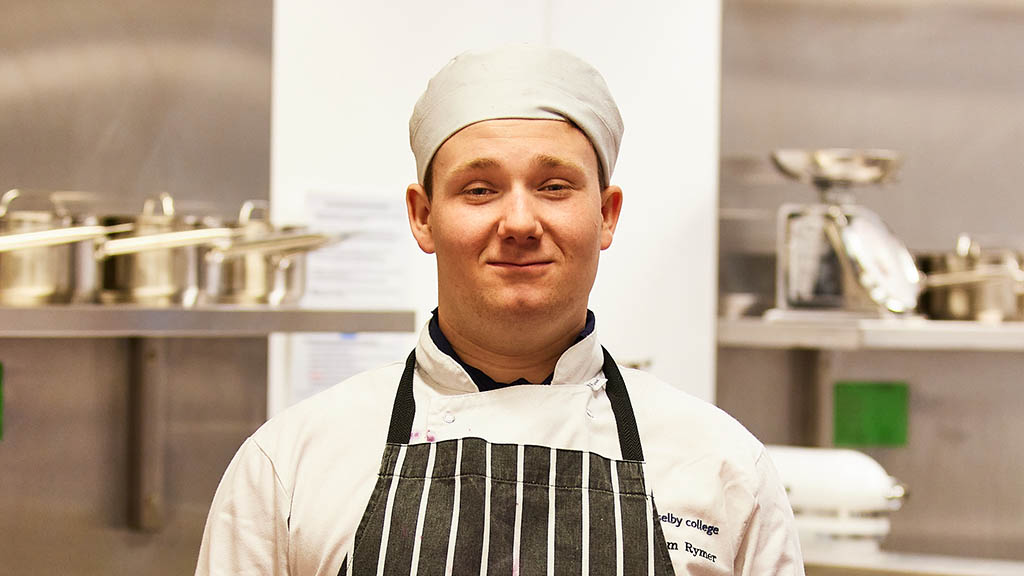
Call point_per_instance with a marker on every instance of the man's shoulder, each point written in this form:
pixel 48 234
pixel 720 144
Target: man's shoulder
pixel 350 405
pixel 678 421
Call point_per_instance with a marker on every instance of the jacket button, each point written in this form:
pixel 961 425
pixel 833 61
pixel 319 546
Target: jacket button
pixel 448 417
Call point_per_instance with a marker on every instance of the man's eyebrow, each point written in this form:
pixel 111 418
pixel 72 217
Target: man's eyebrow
pixel 541 160
pixel 547 161
pixel 476 164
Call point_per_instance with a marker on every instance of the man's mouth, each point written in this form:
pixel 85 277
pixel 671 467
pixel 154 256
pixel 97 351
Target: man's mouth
pixel 521 265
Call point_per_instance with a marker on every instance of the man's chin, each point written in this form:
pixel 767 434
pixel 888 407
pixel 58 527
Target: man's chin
pixel 525 308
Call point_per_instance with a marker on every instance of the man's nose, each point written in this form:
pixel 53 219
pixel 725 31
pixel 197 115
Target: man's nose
pixel 519 219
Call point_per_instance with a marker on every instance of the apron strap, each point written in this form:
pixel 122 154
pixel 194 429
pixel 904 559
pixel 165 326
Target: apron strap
pixel 622 408
pixel 404 410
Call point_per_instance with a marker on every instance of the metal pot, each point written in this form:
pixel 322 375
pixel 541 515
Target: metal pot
pixel 973 284
pixel 46 253
pixel 158 264
pixel 261 265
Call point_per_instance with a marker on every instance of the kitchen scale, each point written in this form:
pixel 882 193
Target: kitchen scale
pixel 836 258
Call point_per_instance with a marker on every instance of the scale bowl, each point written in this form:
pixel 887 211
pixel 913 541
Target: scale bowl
pixel 830 167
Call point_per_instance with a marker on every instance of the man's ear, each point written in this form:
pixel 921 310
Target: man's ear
pixel 418 206
pixel 611 205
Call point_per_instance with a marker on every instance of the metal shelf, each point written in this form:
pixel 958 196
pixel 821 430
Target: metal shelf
pixel 95 320
pixel 871 334
pixel 147 330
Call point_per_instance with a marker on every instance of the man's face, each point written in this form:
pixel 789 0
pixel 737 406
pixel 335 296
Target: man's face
pixel 517 218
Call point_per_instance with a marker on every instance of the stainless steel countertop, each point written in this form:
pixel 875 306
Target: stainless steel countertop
pixel 856 563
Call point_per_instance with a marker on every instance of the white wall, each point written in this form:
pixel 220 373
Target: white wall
pixel 347 74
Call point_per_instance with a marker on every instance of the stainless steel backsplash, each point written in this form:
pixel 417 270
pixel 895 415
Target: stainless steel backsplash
pixel 126 98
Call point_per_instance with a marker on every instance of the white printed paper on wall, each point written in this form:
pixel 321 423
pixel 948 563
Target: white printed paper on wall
pixel 368 270
pixel 327 359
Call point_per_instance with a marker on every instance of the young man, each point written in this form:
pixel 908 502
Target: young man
pixel 509 442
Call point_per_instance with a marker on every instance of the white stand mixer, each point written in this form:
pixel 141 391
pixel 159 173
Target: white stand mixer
pixel 841 498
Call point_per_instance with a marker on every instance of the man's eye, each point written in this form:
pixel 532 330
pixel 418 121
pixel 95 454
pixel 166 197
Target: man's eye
pixel 555 187
pixel 477 191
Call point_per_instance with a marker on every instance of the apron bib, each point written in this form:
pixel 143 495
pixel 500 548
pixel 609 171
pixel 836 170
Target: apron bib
pixel 469 507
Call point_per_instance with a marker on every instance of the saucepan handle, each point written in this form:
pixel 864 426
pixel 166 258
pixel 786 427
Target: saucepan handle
pixel 6 199
pixel 254 210
pixel 165 240
pixel 280 244
pixel 164 200
pixel 976 275
pixel 57 236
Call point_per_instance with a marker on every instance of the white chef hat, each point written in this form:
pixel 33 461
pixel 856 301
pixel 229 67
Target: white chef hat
pixel 519 81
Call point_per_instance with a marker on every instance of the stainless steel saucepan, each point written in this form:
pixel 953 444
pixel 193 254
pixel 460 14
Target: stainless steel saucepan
pixel 156 258
pixel 157 264
pixel 971 283
pixel 46 252
pixel 261 264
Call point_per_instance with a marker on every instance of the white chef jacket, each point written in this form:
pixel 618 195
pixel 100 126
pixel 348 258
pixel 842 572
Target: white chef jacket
pixel 292 498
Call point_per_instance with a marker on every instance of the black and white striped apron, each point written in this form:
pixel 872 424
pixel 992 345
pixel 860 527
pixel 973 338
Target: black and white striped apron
pixel 469 507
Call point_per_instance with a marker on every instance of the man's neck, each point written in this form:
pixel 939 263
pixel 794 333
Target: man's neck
pixel 511 352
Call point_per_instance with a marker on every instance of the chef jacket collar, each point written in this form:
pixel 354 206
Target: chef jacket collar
pixel 441 366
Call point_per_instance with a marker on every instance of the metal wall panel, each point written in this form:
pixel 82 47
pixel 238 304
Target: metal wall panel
pixel 127 98
pixel 65 453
